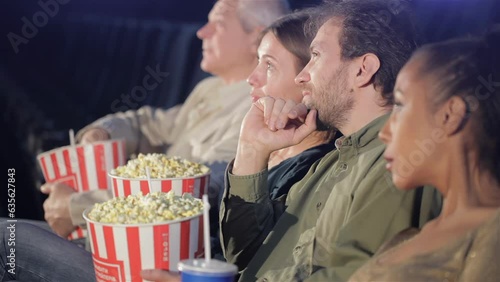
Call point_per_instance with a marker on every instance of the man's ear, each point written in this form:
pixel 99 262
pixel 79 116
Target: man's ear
pixel 369 64
pixel 453 115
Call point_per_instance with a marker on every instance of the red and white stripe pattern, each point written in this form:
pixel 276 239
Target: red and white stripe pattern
pixel 196 186
pixel 78 233
pixel 120 252
pixel 83 167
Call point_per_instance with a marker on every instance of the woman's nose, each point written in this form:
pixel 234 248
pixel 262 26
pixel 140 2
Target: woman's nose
pixel 254 79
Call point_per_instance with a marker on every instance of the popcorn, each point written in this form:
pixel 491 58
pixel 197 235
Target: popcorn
pixel 153 207
pixel 160 166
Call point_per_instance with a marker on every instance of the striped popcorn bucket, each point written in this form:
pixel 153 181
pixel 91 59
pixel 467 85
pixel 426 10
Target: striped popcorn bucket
pixel 83 167
pixel 121 251
pixel 196 185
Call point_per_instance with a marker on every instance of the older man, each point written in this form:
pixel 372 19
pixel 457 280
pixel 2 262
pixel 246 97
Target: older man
pixel 338 215
pixel 204 129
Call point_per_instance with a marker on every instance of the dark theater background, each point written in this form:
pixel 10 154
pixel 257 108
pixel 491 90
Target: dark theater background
pixel 65 63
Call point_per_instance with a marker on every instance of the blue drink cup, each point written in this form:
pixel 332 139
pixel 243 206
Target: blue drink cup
pixel 198 270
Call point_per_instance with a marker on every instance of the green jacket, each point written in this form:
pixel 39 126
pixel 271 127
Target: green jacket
pixel 331 222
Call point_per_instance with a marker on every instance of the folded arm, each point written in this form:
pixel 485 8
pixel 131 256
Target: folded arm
pixel 146 129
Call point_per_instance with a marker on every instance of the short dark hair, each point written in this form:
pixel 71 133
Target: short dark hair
pixel 290 32
pixel 382 27
pixel 469 68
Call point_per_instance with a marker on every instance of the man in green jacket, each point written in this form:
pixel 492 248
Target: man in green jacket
pixel 338 215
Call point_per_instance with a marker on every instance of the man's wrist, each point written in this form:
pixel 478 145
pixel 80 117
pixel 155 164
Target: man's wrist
pixel 249 159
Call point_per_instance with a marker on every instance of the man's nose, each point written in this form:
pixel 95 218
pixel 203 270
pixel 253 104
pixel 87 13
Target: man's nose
pixel 204 31
pixel 303 77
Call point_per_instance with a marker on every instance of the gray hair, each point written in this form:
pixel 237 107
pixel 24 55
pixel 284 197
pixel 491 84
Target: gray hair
pixel 261 13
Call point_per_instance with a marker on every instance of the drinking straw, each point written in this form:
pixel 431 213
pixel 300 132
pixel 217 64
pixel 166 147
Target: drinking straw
pixel 72 137
pixel 206 229
pixel 148 175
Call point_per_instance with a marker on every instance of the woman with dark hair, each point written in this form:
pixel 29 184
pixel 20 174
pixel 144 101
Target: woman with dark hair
pixel 443 132
pixel 283 52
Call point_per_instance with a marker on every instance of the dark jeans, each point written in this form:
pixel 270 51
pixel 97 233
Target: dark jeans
pixel 40 255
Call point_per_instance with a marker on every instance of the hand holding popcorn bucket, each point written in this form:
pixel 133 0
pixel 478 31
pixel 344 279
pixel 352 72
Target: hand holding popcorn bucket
pixel 139 232
pixel 83 167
